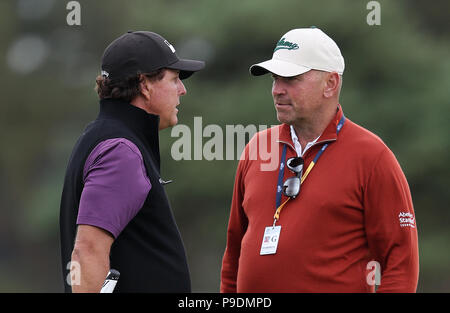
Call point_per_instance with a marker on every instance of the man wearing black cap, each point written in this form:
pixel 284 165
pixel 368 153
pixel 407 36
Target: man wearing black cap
pixel 114 210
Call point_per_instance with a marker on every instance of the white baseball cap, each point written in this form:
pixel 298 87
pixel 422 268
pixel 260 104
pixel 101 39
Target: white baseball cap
pixel 301 50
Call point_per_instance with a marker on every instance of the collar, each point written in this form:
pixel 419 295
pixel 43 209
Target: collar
pixel 130 114
pixel 329 134
pixel 298 146
pixel 143 124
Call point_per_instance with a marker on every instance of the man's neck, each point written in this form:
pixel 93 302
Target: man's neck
pixel 308 129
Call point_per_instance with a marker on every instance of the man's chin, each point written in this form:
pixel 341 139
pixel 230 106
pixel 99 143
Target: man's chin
pixel 283 119
pixel 168 123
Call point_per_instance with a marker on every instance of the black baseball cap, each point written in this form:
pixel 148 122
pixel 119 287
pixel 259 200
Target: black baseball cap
pixel 144 52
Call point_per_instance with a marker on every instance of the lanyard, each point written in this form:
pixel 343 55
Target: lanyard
pixel 308 170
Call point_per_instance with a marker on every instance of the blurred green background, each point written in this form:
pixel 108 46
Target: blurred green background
pixel 396 84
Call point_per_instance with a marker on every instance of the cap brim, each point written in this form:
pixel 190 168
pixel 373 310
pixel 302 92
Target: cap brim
pixel 278 67
pixel 187 67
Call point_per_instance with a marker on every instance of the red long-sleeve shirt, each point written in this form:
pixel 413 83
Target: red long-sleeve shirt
pixel 354 207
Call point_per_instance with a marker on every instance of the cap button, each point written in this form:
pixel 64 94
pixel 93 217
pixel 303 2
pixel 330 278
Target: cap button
pixel 130 31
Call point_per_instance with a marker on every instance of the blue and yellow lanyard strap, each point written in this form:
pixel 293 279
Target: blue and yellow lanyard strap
pixel 308 170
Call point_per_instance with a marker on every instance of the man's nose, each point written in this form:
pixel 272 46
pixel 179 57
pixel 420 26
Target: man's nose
pixel 277 88
pixel 181 88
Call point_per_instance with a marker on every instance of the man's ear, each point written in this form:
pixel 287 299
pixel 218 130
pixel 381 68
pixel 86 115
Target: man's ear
pixel 145 87
pixel 331 85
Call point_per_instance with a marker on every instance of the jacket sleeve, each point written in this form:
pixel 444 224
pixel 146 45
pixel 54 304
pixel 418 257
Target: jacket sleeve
pixel 237 226
pixel 390 225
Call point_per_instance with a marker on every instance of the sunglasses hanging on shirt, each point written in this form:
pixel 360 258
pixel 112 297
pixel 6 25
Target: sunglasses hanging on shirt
pixel 291 186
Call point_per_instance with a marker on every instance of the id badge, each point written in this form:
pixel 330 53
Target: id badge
pixel 270 240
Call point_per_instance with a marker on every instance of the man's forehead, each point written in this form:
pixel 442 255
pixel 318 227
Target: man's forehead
pixel 172 71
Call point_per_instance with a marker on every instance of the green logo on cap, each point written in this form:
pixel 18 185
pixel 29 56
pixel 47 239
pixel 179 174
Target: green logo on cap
pixel 282 44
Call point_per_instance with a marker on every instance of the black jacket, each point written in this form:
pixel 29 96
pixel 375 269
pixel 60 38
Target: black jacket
pixel 149 252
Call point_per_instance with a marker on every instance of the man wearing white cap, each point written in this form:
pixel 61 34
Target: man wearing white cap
pixel 342 214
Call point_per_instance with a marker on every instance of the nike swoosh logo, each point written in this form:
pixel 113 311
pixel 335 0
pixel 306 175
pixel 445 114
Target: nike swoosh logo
pixel 165 182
